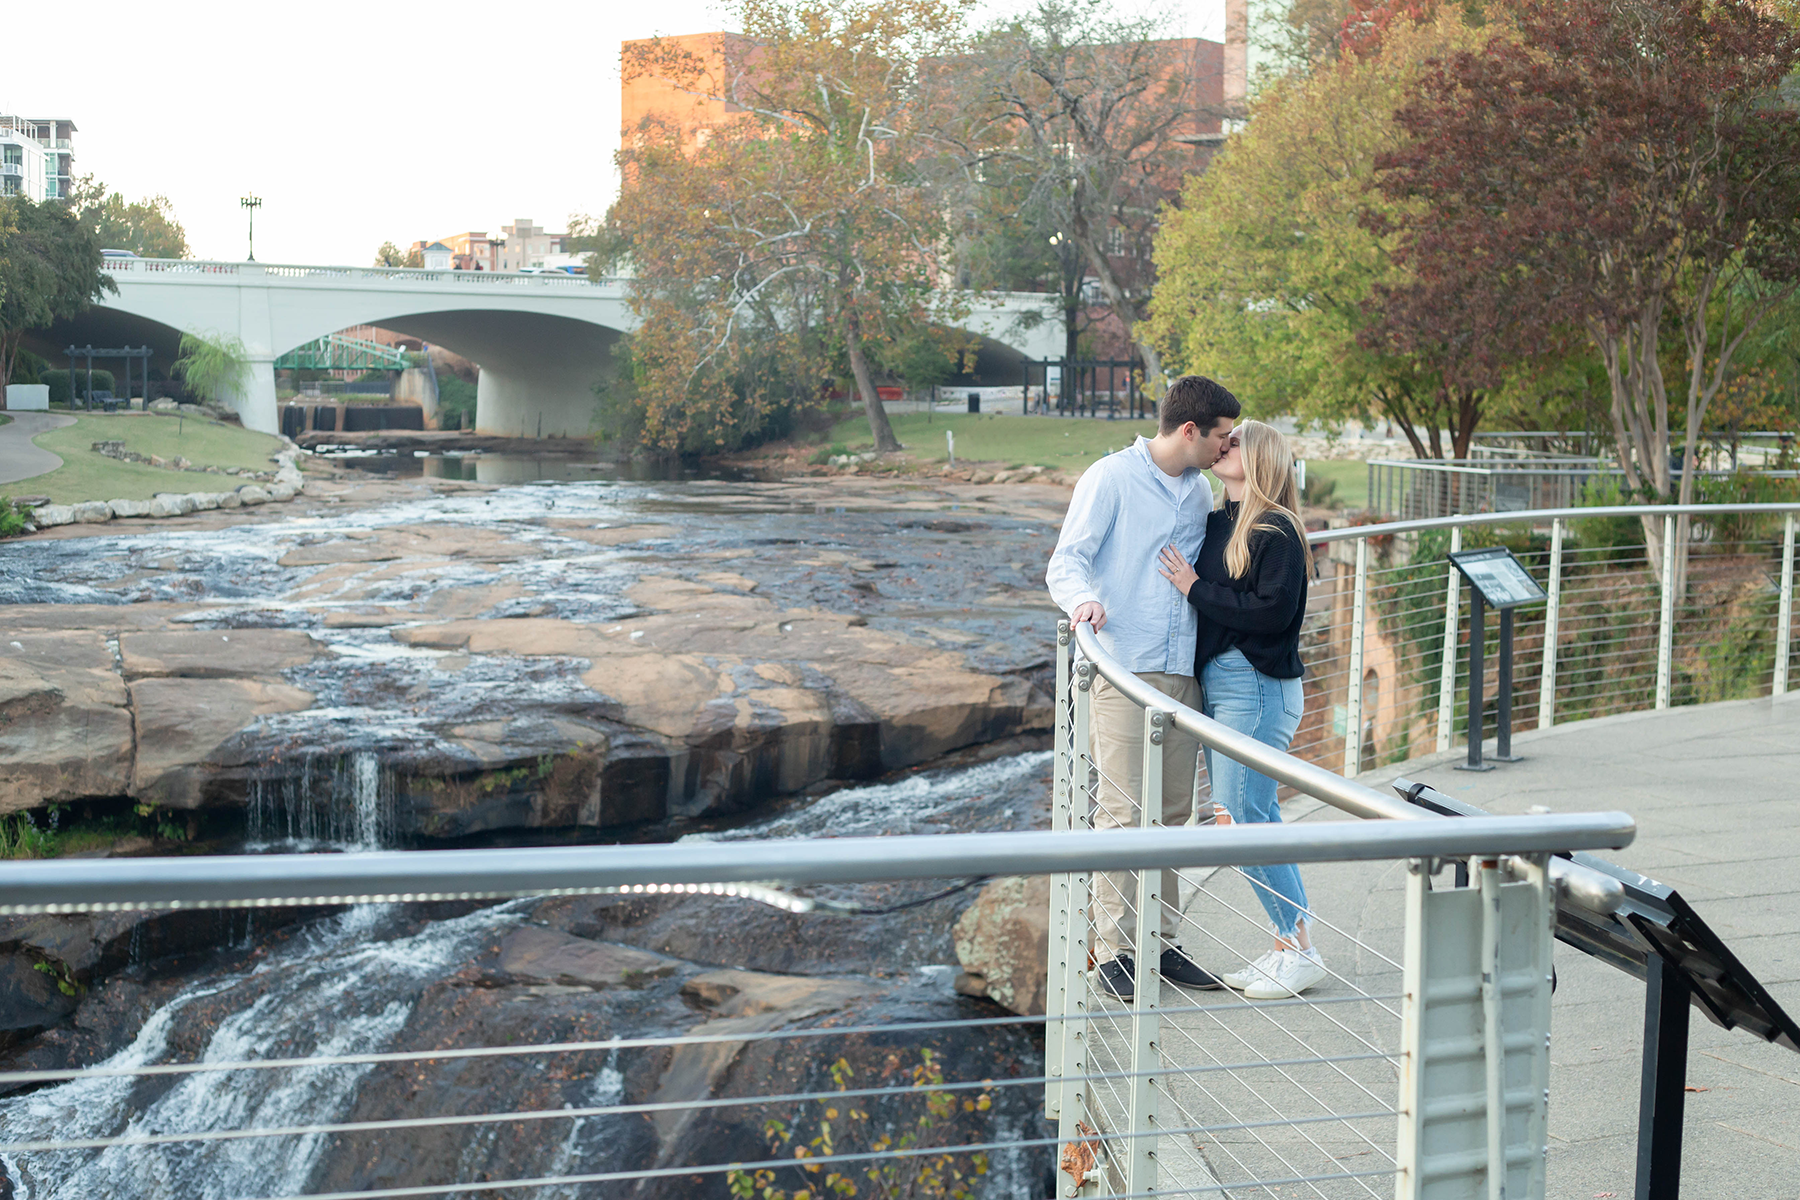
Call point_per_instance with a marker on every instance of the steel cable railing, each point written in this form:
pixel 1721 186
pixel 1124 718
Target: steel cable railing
pixel 43 1148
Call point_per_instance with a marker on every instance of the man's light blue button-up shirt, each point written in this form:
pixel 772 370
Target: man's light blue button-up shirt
pixel 1125 510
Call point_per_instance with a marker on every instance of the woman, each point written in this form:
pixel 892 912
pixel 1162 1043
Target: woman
pixel 1250 589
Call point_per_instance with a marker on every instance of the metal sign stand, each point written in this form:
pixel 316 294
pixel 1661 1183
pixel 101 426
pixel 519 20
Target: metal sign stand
pixel 1495 578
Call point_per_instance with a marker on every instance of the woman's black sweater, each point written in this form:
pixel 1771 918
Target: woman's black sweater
pixel 1261 613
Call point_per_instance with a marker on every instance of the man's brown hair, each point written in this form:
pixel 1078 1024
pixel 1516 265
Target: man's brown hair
pixel 1198 399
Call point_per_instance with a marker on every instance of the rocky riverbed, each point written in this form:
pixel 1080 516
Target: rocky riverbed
pixel 430 662
pixel 581 655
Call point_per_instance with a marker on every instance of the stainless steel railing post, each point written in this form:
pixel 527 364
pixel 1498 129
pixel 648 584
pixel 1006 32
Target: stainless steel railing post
pixel 1056 991
pixel 1665 628
pixel 1146 1017
pixel 1784 609
pixel 1446 721
pixel 1353 732
pixel 1547 679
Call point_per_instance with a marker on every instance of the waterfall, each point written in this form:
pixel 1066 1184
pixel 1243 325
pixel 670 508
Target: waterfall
pixel 340 988
pixel 339 802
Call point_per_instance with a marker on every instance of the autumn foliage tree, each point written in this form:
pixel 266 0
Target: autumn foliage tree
pixel 1271 271
pixel 789 241
pixel 1096 112
pixel 1623 166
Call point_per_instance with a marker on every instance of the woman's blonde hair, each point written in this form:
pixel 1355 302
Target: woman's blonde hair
pixel 1269 492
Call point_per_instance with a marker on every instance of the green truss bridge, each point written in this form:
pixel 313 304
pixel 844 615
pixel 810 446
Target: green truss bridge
pixel 335 352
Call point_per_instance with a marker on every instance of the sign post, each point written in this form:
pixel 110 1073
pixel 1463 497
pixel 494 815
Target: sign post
pixel 1496 580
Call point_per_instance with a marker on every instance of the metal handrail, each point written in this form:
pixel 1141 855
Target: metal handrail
pixel 1352 532
pixel 1590 889
pixel 91 885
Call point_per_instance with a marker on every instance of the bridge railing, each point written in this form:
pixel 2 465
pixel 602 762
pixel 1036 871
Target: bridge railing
pixel 193 266
pixel 1625 627
pixel 1183 1094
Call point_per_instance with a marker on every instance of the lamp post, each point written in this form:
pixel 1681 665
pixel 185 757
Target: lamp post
pixel 251 203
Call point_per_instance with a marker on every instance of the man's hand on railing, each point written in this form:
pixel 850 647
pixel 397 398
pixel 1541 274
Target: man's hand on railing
pixel 1091 612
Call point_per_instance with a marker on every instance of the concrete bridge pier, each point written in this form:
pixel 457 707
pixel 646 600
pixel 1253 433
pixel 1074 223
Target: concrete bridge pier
pixel 255 404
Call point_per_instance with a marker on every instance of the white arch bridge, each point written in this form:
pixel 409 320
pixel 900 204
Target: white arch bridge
pixel 543 342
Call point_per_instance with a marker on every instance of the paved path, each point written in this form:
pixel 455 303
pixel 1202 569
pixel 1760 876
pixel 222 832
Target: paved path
pixel 19 458
pixel 1712 789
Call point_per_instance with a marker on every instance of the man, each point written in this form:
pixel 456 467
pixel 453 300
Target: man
pixel 1126 508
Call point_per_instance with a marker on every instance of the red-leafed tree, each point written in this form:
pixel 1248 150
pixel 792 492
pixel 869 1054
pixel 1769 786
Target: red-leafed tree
pixel 1625 167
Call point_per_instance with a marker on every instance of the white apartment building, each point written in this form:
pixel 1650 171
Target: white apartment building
pixel 528 245
pixel 37 159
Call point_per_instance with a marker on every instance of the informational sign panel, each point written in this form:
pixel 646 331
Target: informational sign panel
pixel 1501 578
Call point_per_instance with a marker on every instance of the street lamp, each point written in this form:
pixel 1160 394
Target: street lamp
pixel 251 203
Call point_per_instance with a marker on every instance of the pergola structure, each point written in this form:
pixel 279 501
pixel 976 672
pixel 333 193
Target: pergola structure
pixel 90 353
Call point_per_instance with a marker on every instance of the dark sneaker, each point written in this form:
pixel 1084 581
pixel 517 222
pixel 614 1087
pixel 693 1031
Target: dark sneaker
pixel 1177 967
pixel 1116 977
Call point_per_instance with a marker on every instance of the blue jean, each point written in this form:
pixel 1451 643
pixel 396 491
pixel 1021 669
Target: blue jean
pixel 1239 696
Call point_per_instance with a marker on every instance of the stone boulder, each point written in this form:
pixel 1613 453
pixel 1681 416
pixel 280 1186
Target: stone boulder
pixel 534 953
pixel 203 501
pixel 93 511
pixel 1003 944
pixel 252 494
pixel 182 724
pixel 65 728
pixel 129 508
pixel 46 515
pixel 203 654
pixel 230 500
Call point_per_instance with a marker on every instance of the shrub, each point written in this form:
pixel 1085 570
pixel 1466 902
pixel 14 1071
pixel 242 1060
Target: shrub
pixel 1732 530
pixel 59 384
pixel 12 519
pixel 1623 533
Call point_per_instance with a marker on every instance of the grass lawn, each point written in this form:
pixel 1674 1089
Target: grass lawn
pixel 86 475
pixel 1064 443
pixel 1351 477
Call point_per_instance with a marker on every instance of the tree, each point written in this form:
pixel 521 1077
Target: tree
pixel 1626 162
pixel 50 269
pixel 1267 268
pixel 391 255
pixel 1093 109
pixel 216 367
pixel 790 240
pixel 145 227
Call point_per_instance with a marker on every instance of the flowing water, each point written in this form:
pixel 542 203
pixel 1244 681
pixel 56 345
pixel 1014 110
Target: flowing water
pixel 345 986
pixel 348 984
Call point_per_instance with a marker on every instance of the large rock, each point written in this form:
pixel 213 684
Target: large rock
pixel 46 515
pixel 216 653
pixel 30 999
pixel 1003 943
pixel 183 723
pixel 129 508
pixel 65 730
pixel 93 511
pixel 549 956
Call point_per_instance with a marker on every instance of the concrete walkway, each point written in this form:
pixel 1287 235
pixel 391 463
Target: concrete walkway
pixel 19 458
pixel 1712 789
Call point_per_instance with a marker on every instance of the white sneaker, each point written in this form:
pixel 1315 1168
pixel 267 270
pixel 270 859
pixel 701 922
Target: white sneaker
pixel 1292 973
pixel 1239 980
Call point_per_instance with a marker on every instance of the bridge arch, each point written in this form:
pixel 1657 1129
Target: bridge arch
pixel 543 342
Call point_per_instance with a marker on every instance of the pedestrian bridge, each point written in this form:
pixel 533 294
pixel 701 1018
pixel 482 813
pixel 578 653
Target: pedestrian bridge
pixel 543 342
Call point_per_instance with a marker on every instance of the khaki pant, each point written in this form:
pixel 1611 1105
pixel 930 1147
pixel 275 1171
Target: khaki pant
pixel 1118 748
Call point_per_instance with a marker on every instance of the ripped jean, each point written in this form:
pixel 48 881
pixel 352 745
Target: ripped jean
pixel 1239 696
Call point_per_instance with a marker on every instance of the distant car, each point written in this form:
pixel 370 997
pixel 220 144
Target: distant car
pixel 119 254
pixel 572 269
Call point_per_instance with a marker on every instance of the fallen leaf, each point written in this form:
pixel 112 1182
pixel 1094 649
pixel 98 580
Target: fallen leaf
pixel 1691 1088
pixel 1078 1158
pixel 1604 1195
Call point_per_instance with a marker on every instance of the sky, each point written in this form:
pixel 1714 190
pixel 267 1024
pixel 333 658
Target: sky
pixel 359 123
